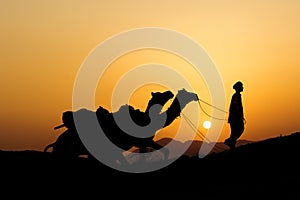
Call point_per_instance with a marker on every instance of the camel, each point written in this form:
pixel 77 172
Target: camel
pixel 69 143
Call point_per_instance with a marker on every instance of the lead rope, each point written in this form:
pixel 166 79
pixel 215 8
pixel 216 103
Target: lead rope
pixel 213 107
pixel 198 132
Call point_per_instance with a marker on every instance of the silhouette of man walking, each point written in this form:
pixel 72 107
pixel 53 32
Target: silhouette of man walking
pixel 236 116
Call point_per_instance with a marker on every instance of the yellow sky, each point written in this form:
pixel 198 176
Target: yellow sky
pixel 43 44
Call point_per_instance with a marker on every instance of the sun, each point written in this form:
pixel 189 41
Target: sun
pixel 207 124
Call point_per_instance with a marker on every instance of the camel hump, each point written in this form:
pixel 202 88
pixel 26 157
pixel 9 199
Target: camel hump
pixel 67 119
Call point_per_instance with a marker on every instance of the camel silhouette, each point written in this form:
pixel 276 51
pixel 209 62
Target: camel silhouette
pixel 69 144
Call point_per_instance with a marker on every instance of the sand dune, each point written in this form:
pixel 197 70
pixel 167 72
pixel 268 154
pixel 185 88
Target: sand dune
pixel 269 167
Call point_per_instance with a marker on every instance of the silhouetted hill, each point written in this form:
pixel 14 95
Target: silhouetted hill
pixel 268 167
pixel 192 147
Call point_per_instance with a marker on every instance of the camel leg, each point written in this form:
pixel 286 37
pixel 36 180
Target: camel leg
pixel 142 150
pixel 122 160
pixel 157 146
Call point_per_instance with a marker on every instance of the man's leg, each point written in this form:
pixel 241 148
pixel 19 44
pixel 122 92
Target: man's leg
pixel 231 141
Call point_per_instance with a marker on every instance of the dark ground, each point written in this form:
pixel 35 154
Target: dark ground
pixel 264 169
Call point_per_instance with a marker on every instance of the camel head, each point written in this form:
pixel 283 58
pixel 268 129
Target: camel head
pixel 185 97
pixel 160 98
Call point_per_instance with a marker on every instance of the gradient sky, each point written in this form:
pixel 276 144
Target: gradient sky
pixel 44 43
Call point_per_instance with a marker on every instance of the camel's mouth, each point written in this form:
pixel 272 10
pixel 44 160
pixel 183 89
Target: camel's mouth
pixel 196 97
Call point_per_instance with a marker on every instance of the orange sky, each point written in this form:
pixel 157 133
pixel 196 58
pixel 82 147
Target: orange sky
pixel 44 43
